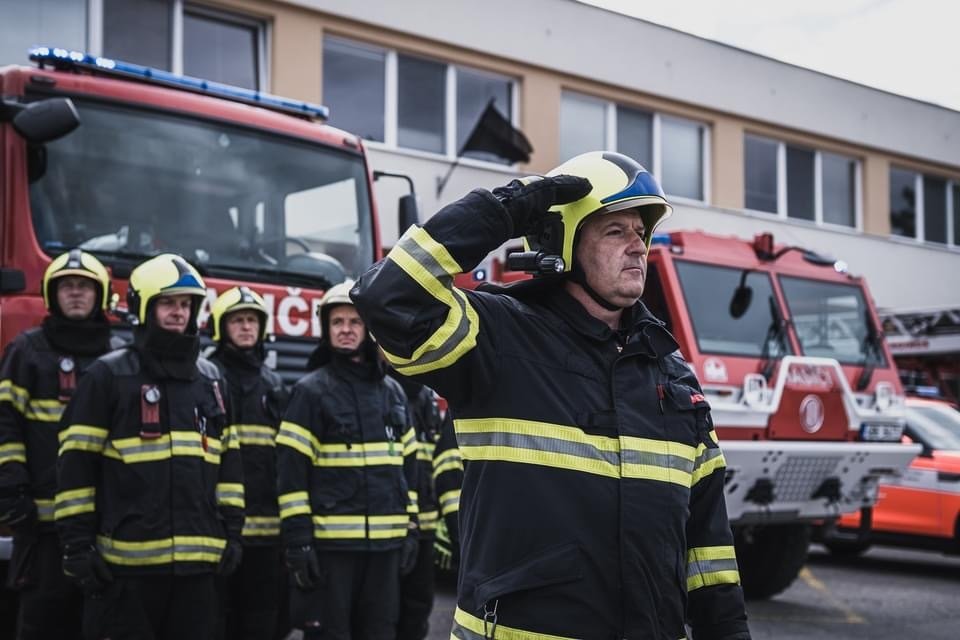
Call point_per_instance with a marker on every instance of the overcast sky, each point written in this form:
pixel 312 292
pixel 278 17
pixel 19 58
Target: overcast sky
pixel 909 47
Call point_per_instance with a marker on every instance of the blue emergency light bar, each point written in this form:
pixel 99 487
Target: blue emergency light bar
pixel 66 59
pixel 660 238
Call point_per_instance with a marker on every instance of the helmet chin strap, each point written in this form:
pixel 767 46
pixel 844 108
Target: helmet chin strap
pixel 578 275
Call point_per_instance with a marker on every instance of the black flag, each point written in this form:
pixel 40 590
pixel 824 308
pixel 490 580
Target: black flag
pixel 494 134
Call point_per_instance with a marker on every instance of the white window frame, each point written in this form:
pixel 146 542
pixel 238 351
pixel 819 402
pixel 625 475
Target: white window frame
pixel 610 139
pixel 920 206
pixel 177 8
pixel 391 95
pixel 818 220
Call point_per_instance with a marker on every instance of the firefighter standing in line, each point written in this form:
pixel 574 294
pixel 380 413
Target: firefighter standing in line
pixel 447 481
pixel 592 504
pixel 150 497
pixel 37 377
pixel 257 400
pixel 346 455
pixel 417 586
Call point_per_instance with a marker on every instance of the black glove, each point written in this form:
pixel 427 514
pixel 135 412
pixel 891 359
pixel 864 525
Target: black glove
pixel 230 558
pixel 303 565
pixel 526 200
pixel 409 552
pixel 87 568
pixel 445 548
pixel 18 508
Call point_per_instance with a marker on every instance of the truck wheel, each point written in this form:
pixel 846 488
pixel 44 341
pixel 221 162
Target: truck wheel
pixel 846 548
pixel 770 557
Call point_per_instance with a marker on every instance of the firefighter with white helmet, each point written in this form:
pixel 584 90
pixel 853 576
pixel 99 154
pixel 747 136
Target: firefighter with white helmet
pixel 257 399
pixel 346 454
pixel 38 375
pixel 592 502
pixel 150 496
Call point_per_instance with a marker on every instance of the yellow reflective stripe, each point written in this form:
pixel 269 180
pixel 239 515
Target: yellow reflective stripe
pixel 429 264
pixel 15 395
pixel 361 454
pixel 296 437
pixel 294 504
pixel 44 410
pixel 385 527
pixel 177 443
pixel 45 510
pixel 449 460
pixel 81 437
pixel 708 566
pixel 74 501
pixel 254 526
pixel 231 439
pixel 190 443
pixel 468 627
pixel 708 461
pixel 352 527
pixel 538 443
pixel 660 460
pixel 230 494
pixel 449 501
pixel 162 551
pixel 13 452
pixel 256 435
pixel 412 501
pixel 428 520
pixel 410 442
pixel 426 451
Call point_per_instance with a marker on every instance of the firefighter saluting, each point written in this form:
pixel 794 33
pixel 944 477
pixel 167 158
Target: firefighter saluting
pixel 348 505
pixel 150 497
pixel 38 375
pixel 592 503
pixel 257 398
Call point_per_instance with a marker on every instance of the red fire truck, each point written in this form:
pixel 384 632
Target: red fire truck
pixel 804 394
pixel 127 162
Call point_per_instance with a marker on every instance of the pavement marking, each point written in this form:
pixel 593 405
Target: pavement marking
pixel 850 616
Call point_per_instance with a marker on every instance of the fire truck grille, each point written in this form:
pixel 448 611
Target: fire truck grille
pixel 799 477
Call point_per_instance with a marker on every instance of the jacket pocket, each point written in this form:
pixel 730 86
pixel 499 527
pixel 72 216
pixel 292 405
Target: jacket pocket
pixel 552 566
pixel 331 487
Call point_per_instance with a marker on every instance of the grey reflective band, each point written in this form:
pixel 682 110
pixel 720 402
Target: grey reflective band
pixel 536 443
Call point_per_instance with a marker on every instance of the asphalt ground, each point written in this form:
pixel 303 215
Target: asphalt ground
pixel 885 594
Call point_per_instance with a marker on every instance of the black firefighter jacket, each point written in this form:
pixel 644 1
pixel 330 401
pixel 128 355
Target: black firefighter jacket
pixel 592 503
pixel 425 415
pixel 37 379
pixel 257 401
pixel 346 455
pixel 156 486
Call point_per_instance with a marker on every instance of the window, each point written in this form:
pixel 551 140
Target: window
pixel 421 104
pixel 924 207
pixel 832 321
pixel 409 101
pixel 221 49
pixel 678 161
pixel 213 45
pixel 733 311
pixel 354 87
pixel 582 125
pixel 801 183
pixel 60 23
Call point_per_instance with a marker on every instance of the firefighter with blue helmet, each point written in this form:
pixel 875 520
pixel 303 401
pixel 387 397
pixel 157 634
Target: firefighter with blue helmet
pixel 592 503
pixel 38 375
pixel 150 497
pixel 257 398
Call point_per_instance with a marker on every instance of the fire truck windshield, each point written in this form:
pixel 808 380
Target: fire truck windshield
pixel 832 320
pixel 237 202
pixel 733 311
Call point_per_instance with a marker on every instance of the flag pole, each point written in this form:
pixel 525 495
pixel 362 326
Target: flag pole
pixel 442 182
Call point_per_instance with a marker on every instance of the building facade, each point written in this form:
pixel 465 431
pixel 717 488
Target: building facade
pixel 740 142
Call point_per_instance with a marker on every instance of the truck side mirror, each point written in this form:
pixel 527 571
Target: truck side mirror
pixel 47 120
pixel 740 302
pixel 407 213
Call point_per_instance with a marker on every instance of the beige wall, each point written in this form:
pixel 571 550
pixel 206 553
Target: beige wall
pixel 296 70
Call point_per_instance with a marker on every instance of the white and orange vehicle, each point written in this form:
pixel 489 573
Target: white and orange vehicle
pixel 920 509
pixel 804 394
